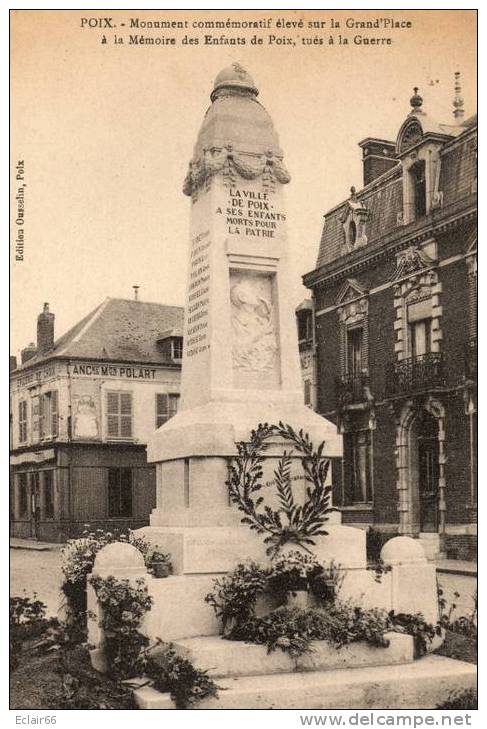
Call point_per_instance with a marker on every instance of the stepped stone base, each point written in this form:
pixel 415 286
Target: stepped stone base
pixel 424 684
pixel 230 658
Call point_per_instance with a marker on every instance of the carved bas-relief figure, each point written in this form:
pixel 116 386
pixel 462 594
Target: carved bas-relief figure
pixel 85 421
pixel 254 337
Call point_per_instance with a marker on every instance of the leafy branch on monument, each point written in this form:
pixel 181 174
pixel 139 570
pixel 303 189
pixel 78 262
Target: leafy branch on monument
pixel 291 522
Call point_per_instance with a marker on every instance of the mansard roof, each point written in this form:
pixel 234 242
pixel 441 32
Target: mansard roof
pixel 383 197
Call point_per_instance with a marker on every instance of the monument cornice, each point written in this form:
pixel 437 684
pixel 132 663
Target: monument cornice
pixel 226 159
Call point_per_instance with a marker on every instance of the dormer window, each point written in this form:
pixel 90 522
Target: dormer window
pixel 353 221
pixel 418 147
pixel 352 233
pixel 418 180
pixel 411 135
pixel 177 348
pixel 171 347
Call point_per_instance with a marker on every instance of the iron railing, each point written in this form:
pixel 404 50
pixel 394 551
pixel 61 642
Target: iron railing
pixel 350 389
pixel 423 372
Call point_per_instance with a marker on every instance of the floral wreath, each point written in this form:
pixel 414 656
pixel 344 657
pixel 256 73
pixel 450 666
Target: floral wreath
pixel 291 522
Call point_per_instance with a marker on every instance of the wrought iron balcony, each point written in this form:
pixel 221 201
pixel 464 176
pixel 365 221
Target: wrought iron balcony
pixel 350 389
pixel 424 372
pixel 471 359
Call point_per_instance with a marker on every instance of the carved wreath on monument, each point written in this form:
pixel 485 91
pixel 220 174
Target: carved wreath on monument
pixel 291 522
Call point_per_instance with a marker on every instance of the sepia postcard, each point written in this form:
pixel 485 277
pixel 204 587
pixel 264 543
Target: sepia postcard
pixel 243 363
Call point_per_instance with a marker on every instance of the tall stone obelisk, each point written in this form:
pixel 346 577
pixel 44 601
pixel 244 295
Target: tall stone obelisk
pixel 240 362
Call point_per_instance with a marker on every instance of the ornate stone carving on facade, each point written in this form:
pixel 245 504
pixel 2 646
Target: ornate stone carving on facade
pixel 353 220
pixel 254 335
pixel 226 160
pixel 424 286
pixel 411 260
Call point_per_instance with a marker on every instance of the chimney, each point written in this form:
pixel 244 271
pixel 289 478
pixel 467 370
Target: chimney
pixel 136 292
pixel 45 330
pixel 28 352
pixel 12 362
pixel 458 110
pixel 378 157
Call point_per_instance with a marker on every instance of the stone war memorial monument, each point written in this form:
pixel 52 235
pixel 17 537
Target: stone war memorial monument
pixel 244 453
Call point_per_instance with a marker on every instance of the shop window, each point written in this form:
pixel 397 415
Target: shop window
pixel 23 494
pixel 23 421
pixel 119 492
pixel 48 488
pixel 119 414
pixel 166 407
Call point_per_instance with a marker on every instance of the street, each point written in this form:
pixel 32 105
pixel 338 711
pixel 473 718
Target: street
pixel 39 572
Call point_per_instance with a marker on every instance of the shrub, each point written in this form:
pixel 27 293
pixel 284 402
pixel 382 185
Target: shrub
pixel 415 625
pixel 78 557
pixel 123 608
pixel 82 687
pixel 27 619
pixel 186 684
pixel 126 649
pixel 459 700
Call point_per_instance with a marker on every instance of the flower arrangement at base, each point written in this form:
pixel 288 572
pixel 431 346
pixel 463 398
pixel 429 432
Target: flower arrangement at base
pixel 294 575
pixel 160 564
pixel 292 629
pixel 234 596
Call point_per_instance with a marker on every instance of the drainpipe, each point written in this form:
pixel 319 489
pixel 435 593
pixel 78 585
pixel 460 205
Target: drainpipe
pixel 70 441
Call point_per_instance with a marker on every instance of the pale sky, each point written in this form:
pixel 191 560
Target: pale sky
pixel 106 133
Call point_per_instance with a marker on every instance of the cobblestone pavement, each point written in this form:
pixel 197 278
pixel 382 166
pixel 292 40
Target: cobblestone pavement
pixel 38 572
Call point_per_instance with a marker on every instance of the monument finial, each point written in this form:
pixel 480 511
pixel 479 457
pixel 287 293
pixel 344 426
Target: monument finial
pixel 234 79
pixel 458 110
pixel 416 100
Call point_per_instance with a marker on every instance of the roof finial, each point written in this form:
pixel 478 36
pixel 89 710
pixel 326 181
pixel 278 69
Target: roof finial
pixel 416 100
pixel 458 110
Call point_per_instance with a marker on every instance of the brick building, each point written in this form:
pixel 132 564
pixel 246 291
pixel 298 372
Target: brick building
pixel 395 336
pixel 82 409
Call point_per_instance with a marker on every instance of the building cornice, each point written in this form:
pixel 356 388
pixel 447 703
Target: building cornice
pixel 391 243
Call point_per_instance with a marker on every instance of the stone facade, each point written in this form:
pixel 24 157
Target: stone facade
pixel 394 298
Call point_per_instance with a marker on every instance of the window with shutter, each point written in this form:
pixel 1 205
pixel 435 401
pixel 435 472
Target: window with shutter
pixel 22 421
pixel 42 404
pixel 54 414
pixel 166 407
pixel 35 417
pixel 119 414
